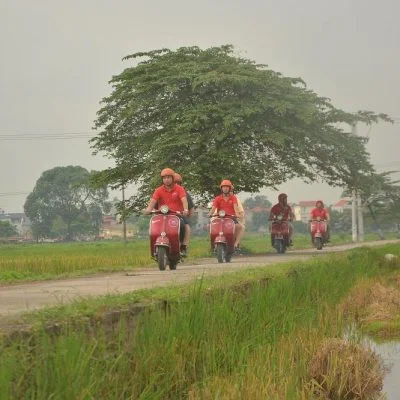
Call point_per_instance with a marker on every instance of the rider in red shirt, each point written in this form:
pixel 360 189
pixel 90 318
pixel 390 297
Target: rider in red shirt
pixel 282 208
pixel 174 196
pixel 321 212
pixel 227 202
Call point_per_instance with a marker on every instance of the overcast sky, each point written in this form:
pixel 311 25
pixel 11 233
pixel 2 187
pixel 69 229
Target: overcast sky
pixel 57 57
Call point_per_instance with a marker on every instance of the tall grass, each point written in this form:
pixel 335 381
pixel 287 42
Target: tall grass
pixel 256 342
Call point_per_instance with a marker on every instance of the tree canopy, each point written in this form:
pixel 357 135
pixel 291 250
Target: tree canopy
pixel 7 230
pixel 64 196
pixel 210 114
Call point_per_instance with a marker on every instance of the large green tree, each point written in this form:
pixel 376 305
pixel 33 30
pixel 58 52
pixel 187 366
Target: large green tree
pixel 64 195
pixel 211 114
pixel 7 230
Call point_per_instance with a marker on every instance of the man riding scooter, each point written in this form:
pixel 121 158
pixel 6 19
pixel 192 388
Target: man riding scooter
pixel 174 196
pixel 284 212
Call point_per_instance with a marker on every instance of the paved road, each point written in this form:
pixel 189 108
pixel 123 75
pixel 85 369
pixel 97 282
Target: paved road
pixel 26 297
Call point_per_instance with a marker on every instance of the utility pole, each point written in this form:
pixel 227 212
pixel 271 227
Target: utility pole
pixel 123 214
pixel 360 219
pixel 354 230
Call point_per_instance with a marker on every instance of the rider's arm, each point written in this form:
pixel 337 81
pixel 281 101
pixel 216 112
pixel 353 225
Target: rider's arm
pixel 212 211
pixel 150 207
pixel 328 217
pixel 185 205
pixel 237 212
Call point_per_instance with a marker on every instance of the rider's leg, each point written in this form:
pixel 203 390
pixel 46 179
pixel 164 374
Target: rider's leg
pixel 186 238
pixel 239 231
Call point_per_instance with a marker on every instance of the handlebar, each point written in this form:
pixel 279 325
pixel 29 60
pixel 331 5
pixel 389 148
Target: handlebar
pixel 226 215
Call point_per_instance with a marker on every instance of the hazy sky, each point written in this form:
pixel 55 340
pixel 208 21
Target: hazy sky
pixel 57 57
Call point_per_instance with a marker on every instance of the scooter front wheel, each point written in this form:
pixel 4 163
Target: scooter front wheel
pixel 318 243
pixel 162 258
pixel 220 252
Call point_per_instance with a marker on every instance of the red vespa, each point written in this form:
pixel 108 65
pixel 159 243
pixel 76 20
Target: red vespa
pixel 318 230
pixel 279 229
pixel 165 240
pixel 222 236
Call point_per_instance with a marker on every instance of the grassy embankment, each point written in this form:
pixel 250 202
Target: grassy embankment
pixel 257 340
pixel 25 262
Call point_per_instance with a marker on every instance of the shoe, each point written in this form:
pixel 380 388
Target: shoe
pixel 183 250
pixel 238 250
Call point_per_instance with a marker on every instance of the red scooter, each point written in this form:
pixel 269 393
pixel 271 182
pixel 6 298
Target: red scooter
pixel 279 229
pixel 319 232
pixel 165 240
pixel 222 236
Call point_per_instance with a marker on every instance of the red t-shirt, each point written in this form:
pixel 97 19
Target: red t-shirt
pixel 286 211
pixel 171 198
pixel 322 213
pixel 220 203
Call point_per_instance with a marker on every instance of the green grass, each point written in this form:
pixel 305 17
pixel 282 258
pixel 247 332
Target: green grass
pixel 223 343
pixel 28 262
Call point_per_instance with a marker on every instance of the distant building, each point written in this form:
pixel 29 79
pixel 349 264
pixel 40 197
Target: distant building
pixel 303 210
pixel 19 220
pixel 342 205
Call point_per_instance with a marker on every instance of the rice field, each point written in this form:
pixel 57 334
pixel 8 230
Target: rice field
pixel 25 262
pixel 258 342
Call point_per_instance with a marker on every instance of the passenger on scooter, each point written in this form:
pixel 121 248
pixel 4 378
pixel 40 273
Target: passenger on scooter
pixel 283 208
pixel 321 212
pixel 227 202
pixel 174 196
pixel 178 180
pixel 241 219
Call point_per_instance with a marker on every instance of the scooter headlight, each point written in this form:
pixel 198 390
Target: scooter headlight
pixel 164 209
pixel 280 217
pixel 222 213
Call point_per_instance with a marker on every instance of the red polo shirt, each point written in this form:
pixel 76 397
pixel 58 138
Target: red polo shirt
pixel 277 209
pixel 171 198
pixel 226 204
pixel 322 213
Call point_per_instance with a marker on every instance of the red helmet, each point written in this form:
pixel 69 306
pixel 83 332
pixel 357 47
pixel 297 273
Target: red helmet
pixel 167 172
pixel 319 201
pixel 177 177
pixel 226 182
pixel 282 196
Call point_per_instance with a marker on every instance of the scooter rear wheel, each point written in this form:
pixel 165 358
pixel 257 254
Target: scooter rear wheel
pixel 173 264
pixel 162 258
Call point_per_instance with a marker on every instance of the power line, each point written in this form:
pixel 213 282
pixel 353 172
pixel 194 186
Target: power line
pixel 46 136
pixel 11 194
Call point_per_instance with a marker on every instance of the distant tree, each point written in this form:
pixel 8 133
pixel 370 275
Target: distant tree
pixel 7 230
pixel 257 201
pixel 340 221
pixel 259 216
pixel 381 199
pixel 65 194
pixel 211 115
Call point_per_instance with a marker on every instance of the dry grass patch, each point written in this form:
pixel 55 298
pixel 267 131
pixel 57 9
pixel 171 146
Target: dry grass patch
pixel 373 301
pixel 346 371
